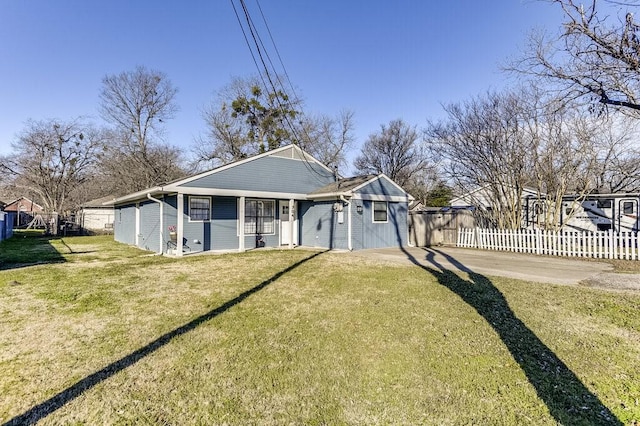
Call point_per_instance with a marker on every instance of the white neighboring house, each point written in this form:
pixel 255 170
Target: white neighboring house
pixel 96 215
pixel 481 198
pixel 593 212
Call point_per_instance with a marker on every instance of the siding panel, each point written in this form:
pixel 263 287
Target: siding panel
pixel 124 227
pixel 150 227
pixel 381 187
pixel 269 174
pixel 320 227
pixel 393 233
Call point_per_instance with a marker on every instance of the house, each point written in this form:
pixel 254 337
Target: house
pixel 578 212
pixel 96 215
pixel 484 197
pixel 25 210
pixel 281 198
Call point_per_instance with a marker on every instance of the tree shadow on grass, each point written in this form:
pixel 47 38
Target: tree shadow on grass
pixel 42 410
pixel 566 397
pixel 568 400
pixel 25 250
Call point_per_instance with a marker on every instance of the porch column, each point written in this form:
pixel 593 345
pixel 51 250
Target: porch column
pixel 137 239
pixel 349 244
pixel 292 219
pixel 180 225
pixel 241 224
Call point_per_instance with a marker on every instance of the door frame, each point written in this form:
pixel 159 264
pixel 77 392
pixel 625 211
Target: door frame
pixel 296 234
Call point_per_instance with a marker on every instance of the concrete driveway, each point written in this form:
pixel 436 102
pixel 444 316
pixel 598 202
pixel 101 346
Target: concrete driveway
pixel 545 269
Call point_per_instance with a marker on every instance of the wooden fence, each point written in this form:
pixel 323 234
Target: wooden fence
pixel 597 244
pixel 433 228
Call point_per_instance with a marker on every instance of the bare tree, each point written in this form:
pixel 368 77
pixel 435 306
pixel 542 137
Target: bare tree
pixel 597 55
pixel 120 171
pixel 504 142
pixel 327 139
pixel 397 152
pixel 53 158
pixel 482 144
pixel 137 104
pixel 618 154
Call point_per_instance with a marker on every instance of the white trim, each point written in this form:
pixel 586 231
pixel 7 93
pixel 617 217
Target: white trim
pixel 380 176
pixel 329 196
pixel 240 223
pixel 180 223
pixel 375 197
pixel 373 212
pixel 156 190
pixel 137 226
pixel 292 223
pixel 189 208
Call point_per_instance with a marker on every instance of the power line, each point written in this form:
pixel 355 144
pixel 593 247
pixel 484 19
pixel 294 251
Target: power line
pixel 262 52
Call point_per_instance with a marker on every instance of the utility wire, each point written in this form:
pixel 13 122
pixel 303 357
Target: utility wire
pixel 257 42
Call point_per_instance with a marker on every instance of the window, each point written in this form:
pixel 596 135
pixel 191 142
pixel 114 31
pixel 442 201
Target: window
pixel 605 204
pixel 379 211
pixel 627 207
pixel 259 216
pixel 199 208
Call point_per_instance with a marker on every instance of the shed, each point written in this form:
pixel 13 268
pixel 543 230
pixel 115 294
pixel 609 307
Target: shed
pixel 96 215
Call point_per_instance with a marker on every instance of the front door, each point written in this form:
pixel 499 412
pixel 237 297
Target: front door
pixel 627 215
pixel 286 235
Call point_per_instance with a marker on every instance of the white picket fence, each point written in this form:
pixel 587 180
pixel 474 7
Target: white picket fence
pixel 598 244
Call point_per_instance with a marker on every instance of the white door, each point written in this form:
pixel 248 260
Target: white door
pixel 285 224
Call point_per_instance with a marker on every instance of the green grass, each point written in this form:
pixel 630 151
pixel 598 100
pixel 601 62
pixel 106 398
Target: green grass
pixel 334 339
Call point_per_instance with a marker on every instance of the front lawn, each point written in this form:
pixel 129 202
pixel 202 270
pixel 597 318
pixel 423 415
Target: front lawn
pixel 107 334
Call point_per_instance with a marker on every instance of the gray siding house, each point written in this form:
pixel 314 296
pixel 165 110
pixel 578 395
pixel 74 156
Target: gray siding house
pixel 282 198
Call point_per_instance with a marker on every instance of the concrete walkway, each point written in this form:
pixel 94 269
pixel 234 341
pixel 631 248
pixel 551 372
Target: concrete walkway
pixel 545 269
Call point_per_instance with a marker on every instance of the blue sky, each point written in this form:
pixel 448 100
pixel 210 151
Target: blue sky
pixel 381 59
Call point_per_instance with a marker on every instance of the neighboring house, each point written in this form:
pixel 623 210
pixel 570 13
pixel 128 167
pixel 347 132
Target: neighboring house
pixel 482 198
pixel 587 212
pixel 25 210
pixel 283 197
pixel 96 215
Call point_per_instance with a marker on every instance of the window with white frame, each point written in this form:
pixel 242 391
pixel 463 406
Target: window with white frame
pixel 380 211
pixel 259 216
pixel 199 208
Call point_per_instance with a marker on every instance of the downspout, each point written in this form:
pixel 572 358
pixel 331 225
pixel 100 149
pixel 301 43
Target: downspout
pixel 160 252
pixel 348 203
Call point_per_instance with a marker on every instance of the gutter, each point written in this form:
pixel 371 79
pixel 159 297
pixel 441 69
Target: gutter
pixel 348 203
pixel 160 252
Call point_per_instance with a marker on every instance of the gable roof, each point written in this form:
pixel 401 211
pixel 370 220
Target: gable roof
pixel 288 151
pixel 227 178
pixel 13 205
pixel 347 187
pixel 342 186
pixel 101 202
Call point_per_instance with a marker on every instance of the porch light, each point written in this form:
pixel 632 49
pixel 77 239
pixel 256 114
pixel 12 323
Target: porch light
pixel 359 208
